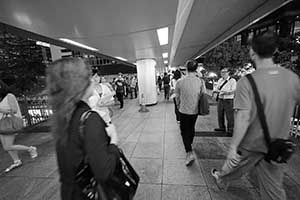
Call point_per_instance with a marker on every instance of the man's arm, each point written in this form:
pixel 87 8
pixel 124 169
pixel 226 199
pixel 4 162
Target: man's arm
pixel 241 123
pixel 177 94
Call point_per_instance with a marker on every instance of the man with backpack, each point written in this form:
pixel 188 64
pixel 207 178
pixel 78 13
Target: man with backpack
pixel 278 90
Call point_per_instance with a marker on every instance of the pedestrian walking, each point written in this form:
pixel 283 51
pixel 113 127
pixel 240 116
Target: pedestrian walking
pixel 187 93
pixel 10 113
pixel 279 90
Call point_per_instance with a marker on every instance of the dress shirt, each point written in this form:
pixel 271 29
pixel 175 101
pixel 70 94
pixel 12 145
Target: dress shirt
pixel 230 86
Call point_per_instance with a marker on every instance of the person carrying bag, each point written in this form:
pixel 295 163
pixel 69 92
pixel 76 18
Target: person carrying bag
pixel 10 124
pixel 279 150
pixel 121 186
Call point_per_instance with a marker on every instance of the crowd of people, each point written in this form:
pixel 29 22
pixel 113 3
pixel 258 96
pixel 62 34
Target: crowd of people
pixel 74 90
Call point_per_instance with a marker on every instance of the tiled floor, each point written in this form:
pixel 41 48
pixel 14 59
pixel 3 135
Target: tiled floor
pixel 154 146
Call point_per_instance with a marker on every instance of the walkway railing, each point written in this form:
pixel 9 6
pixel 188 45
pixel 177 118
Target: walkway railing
pixel 295 122
pixel 34 109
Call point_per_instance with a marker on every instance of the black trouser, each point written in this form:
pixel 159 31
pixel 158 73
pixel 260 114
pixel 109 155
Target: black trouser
pixel 187 128
pixel 167 91
pixel 225 107
pixel 177 113
pixel 159 86
pixel 120 98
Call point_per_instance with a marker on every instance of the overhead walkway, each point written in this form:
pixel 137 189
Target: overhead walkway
pixel 153 144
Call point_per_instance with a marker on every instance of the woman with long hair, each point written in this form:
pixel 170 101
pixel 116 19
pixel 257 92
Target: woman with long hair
pixel 8 107
pixel 69 87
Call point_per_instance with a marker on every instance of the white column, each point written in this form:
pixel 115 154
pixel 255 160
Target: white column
pixel 147 81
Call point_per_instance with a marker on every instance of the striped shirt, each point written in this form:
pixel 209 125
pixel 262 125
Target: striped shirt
pixel 187 91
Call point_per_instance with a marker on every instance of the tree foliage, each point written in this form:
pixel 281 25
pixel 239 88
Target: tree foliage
pixel 229 54
pixel 21 67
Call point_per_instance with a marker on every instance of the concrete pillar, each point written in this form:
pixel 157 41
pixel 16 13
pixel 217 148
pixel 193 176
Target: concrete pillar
pixel 147 81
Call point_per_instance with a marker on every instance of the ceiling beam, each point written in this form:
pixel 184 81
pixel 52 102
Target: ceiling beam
pixel 38 37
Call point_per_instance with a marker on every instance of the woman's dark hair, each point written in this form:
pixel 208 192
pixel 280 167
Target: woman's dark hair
pixel 191 65
pixel 265 44
pixel 177 74
pixel 4 90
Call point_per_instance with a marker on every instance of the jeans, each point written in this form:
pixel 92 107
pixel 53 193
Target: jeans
pixel 167 91
pixel 187 128
pixel 225 107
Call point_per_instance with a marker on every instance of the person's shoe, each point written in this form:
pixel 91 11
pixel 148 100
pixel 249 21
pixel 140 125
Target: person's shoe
pixel 220 129
pixel 33 152
pixel 189 159
pixel 17 163
pixel 221 185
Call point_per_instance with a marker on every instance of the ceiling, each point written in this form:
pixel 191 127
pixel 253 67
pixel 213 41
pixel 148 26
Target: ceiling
pixel 127 28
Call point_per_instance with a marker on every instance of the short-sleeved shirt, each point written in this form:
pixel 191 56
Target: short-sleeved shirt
pixel 279 90
pixel 187 92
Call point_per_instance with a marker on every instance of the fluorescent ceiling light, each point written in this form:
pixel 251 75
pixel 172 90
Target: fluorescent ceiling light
pixel 165 61
pixel 163 34
pixel 165 55
pixel 120 58
pixel 77 44
pixel 44 44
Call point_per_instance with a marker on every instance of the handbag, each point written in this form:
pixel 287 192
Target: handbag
pixel 203 105
pixel 10 124
pixel 279 150
pixel 121 186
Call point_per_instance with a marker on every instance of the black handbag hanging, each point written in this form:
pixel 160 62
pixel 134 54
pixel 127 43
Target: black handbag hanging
pixel 279 150
pixel 121 186
pixel 203 104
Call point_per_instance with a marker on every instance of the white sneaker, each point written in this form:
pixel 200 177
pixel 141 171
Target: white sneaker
pixel 33 152
pixel 189 159
pixel 17 163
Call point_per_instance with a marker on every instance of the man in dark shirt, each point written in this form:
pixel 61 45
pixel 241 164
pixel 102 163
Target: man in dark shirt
pixel 120 89
pixel 166 82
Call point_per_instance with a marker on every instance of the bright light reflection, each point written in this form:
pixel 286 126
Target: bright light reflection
pixel 163 35
pixel 120 58
pixel 212 74
pixel 77 44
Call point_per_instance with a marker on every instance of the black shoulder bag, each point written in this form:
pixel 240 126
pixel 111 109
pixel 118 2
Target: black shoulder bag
pixel 121 186
pixel 203 105
pixel 279 150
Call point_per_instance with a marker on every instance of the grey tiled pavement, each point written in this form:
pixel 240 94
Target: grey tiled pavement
pixel 154 146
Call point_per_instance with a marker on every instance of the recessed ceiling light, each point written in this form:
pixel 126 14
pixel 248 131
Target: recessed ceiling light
pixel 165 55
pixel 163 35
pixel 165 61
pixel 77 44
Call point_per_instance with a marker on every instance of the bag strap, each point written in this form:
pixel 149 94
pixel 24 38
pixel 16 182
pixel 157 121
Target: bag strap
pixel 260 110
pixel 83 119
pixel 226 81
